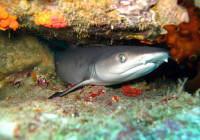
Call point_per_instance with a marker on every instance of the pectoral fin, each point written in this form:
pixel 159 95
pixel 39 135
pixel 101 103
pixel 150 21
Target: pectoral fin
pixel 60 94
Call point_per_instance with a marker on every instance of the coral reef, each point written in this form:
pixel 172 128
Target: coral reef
pixel 50 20
pixel 184 39
pixel 7 21
pixel 157 110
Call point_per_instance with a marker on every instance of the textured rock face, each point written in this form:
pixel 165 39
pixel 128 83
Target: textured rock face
pixel 136 11
pixel 24 53
pixel 170 13
pixel 111 19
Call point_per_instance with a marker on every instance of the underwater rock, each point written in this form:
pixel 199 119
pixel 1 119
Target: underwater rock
pixel 136 11
pixel 23 53
pixel 85 21
pixel 171 13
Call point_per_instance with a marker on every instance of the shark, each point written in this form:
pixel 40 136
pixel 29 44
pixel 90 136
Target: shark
pixel 108 65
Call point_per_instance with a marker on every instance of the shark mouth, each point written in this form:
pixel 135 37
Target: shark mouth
pixel 138 70
pixel 143 69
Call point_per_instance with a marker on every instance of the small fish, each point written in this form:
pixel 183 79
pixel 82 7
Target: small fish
pixel 106 65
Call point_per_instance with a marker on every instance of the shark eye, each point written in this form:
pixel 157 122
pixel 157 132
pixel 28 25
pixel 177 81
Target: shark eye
pixel 122 58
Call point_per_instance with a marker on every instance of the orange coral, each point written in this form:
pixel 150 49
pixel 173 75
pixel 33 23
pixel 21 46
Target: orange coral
pixel 7 21
pixel 50 20
pixel 184 39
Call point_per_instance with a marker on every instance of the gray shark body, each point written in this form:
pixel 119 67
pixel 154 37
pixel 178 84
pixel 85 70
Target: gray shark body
pixel 106 65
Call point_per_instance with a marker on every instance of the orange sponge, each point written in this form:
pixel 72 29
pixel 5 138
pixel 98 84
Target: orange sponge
pixel 184 39
pixel 50 20
pixel 7 21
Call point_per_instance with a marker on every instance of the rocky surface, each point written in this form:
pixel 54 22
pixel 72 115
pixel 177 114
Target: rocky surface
pixel 21 54
pixel 158 113
pixel 90 20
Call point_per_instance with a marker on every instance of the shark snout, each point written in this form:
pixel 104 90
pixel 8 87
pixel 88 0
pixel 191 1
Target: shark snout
pixel 157 58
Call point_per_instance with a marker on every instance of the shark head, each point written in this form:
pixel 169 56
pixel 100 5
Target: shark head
pixel 126 63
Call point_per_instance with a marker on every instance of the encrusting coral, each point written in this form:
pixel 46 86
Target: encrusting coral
pixel 7 21
pixel 184 39
pixel 50 20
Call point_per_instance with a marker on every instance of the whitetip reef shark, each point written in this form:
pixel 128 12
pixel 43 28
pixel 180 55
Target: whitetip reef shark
pixel 106 65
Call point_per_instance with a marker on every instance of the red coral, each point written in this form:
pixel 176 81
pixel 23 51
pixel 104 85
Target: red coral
pixel 128 91
pixel 184 39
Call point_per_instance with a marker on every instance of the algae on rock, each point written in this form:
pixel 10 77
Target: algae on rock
pixel 23 53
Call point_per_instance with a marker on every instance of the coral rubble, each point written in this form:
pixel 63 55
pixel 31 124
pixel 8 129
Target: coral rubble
pixel 26 114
